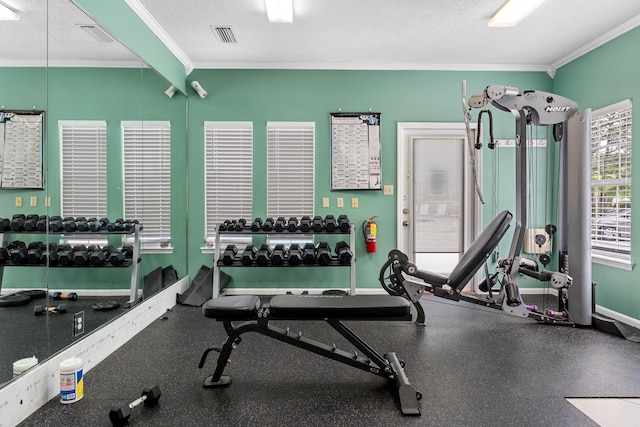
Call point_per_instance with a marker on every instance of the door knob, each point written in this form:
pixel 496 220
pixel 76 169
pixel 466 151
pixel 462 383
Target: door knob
pixel 405 223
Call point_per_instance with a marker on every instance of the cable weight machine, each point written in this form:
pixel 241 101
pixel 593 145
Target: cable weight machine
pixel 572 131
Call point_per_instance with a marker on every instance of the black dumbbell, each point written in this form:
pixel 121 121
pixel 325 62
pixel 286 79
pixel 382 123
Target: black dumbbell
pixel 17 222
pixel 107 249
pixel 264 255
pixel 71 296
pixel 317 224
pixel 5 224
pixel 17 252
pixel 79 255
pixel 278 254
pixel 240 224
pixel 4 255
pixel 305 224
pixel 50 255
pixel 308 253
pixel 330 223
pixel 117 225
pixel 34 252
pixel 39 310
pixel 294 255
pixel 55 224
pixel 343 223
pixel 268 224
pixel 343 252
pixel 94 225
pixel 323 253
pixel 97 257
pixel 224 225
pixel 248 255
pixel 41 225
pixel 292 224
pixel 69 224
pixel 127 250
pixel 31 222
pixel 256 225
pixel 65 257
pixel 116 258
pixel 120 415
pixel 280 224
pixel 229 254
pixel 82 224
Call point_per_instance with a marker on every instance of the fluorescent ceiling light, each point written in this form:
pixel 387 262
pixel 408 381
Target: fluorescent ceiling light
pixel 513 11
pixel 8 14
pixel 279 11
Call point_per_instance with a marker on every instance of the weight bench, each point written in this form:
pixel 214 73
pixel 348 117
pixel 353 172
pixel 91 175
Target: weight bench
pixel 333 309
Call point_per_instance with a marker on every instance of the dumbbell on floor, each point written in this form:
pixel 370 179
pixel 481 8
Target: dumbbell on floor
pixel 120 415
pixel 71 296
pixel 39 310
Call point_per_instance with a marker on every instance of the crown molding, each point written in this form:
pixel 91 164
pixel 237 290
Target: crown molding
pixel 605 38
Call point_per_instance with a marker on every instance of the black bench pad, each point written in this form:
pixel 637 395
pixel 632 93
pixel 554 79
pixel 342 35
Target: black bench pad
pixel 237 307
pixel 339 307
pixel 310 307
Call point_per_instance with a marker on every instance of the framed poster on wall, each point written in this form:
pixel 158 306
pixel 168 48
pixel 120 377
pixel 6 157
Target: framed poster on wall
pixel 21 149
pixel 355 151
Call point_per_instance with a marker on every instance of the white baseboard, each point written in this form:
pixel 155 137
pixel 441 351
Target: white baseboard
pixel 627 320
pixel 27 393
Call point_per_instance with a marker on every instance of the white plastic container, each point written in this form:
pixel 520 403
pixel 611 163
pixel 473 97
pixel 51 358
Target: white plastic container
pixel 19 366
pixel 71 381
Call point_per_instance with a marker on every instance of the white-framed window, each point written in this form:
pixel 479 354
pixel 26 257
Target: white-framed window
pixel 83 168
pixel 146 151
pixel 228 163
pixel 290 173
pixel 611 141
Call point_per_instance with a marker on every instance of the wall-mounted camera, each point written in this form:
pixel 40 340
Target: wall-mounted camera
pixel 196 86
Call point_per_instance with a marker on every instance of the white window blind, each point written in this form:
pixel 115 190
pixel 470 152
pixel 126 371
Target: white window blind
pixel 228 175
pixel 611 140
pixel 83 168
pixel 290 172
pixel 147 178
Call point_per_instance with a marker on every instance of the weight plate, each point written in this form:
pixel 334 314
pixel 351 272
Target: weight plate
pixel 13 300
pixel 33 293
pixel 105 305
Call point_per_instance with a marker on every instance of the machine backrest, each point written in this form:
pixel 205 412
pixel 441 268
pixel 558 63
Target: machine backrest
pixel 479 251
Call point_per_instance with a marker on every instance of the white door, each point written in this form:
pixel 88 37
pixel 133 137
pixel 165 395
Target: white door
pixel 437 210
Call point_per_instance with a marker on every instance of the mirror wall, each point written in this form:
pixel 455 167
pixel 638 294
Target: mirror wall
pixel 95 94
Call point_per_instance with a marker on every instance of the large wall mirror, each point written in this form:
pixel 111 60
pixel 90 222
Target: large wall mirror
pixel 112 146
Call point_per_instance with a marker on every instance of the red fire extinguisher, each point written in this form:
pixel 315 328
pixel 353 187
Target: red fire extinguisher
pixel 370 231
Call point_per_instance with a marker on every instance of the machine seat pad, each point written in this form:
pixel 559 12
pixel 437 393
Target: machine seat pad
pixel 236 307
pixel 357 307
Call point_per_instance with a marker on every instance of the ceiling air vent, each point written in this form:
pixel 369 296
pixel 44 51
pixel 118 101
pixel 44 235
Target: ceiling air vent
pixel 95 32
pixel 224 34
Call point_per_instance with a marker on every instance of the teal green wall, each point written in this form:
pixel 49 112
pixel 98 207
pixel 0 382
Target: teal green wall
pixel 293 95
pixel 112 95
pixel 602 77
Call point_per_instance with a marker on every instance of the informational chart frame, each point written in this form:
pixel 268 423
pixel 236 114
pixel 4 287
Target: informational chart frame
pixel 356 151
pixel 21 149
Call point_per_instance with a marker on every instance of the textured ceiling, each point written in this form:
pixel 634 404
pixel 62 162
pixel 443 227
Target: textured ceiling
pixel 330 34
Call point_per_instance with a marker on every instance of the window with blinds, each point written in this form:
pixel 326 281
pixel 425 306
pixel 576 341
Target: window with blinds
pixel 611 140
pixel 290 172
pixel 228 176
pixel 147 179
pixel 83 168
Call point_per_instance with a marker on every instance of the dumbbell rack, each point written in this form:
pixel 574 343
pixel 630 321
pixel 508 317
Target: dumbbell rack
pixel 218 262
pixel 134 297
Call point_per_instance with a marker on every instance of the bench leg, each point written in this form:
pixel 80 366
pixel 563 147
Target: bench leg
pixel 407 394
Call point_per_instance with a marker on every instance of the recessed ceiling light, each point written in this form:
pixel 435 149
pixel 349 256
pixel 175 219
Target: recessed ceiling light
pixel 513 11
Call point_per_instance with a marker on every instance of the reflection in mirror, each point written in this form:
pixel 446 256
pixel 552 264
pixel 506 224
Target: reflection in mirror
pixel 102 105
